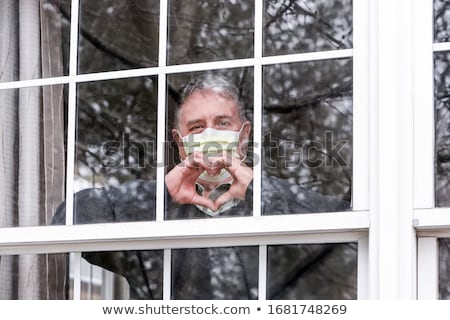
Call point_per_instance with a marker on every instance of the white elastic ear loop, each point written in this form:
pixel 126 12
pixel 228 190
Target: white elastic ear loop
pixel 239 145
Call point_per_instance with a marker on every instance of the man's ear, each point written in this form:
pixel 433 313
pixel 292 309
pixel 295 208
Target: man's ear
pixel 244 138
pixel 177 138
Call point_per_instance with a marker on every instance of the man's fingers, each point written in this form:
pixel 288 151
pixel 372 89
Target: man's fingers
pixel 205 202
pixel 225 197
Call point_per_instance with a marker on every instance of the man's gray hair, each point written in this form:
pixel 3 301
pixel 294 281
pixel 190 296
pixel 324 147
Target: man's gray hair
pixel 216 83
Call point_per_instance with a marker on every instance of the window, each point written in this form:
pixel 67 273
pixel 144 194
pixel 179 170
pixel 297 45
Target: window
pixel 432 218
pixel 441 67
pixel 347 151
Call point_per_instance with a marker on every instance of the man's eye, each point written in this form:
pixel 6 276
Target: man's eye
pixel 223 124
pixel 196 128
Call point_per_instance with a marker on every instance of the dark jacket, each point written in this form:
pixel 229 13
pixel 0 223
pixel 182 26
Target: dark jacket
pixel 222 273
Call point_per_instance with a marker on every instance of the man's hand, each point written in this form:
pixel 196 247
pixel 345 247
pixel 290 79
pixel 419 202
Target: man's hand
pixel 242 176
pixel 180 181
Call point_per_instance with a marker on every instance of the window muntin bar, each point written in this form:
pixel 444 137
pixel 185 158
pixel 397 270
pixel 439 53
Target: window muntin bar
pixel 161 112
pixel 262 273
pixel 424 124
pixel 156 235
pixel 182 68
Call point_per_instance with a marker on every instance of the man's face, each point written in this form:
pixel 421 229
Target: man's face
pixel 207 109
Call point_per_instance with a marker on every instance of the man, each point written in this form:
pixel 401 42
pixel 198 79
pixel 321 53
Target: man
pixel 212 179
pixel 211 106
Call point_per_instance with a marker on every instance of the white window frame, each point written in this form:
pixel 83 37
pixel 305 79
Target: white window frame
pixel 430 222
pixel 393 220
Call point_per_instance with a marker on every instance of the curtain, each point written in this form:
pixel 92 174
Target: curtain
pixel 31 142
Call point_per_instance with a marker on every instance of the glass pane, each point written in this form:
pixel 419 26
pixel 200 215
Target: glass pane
pixel 115 151
pixel 122 275
pixel 441 20
pixel 118 34
pixel 312 271
pixel 33 277
pixel 307 26
pixel 307 127
pixel 215 273
pixel 40 47
pixel 444 268
pixel 209 30
pixel 442 107
pixel 32 170
pixel 210 111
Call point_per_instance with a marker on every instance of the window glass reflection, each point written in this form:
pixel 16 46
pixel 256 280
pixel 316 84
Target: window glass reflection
pixel 442 109
pixel 306 26
pixel 207 30
pixel 307 127
pixel 118 34
pixel 208 84
pixel 441 20
pixel 444 268
pixel 115 152
pixel 33 277
pixel 215 273
pixel 122 275
pixel 312 271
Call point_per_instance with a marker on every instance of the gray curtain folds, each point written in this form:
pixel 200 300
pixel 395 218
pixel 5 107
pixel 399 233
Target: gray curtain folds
pixel 31 143
pixel 8 128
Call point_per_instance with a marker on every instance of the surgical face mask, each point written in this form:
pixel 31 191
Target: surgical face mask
pixel 212 143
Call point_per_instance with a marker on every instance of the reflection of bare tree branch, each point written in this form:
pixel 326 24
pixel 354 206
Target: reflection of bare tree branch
pixel 296 9
pixel 103 46
pixel 103 119
pixel 196 24
pixel 84 149
pixel 440 10
pixel 147 281
pixel 345 90
pixel 334 277
pixel 278 16
pixel 244 274
pixel 444 96
pixel 342 114
pixel 242 82
pixel 297 270
pixel 339 43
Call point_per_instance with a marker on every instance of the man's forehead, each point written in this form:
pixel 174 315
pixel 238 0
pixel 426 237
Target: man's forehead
pixel 210 104
pixel 215 117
